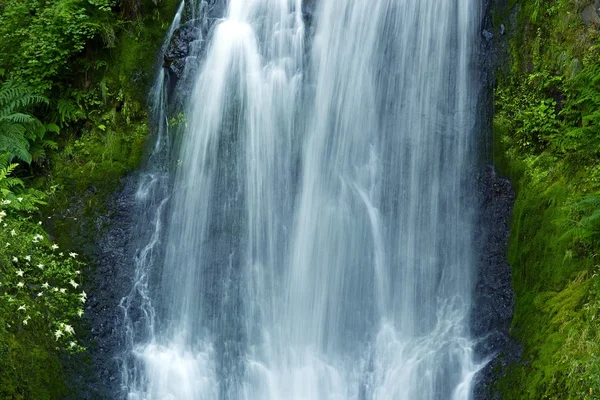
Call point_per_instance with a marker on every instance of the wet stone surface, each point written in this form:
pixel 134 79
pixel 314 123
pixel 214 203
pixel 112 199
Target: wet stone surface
pixel 493 295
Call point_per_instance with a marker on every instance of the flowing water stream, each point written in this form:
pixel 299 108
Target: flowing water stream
pixel 313 239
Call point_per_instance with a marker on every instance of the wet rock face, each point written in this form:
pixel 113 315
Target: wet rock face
pixel 493 292
pixel 591 14
pixel 95 373
pixel 493 296
pixel 189 39
pixel 308 11
pixel 179 48
pixel 112 282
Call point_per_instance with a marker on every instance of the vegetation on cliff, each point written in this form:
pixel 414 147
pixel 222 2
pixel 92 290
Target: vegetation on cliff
pixel 547 139
pixel 74 75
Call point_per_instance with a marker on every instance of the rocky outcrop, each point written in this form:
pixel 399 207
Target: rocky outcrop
pixel 188 40
pixel 95 374
pixel 179 48
pixel 591 14
pixel 493 295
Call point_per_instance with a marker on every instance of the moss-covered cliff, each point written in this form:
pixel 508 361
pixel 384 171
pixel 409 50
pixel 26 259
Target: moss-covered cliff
pixel 87 67
pixel 547 140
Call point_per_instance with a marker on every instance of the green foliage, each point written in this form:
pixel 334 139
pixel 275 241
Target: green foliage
pixel 13 193
pixel 532 116
pixel 582 113
pixel 21 134
pixel 39 295
pixel 39 38
pixel 547 141
pixel 83 67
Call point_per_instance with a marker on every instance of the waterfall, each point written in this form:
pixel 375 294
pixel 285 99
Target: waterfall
pixel 313 238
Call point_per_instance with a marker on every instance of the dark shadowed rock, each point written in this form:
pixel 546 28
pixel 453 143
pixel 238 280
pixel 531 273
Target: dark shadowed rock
pixel 591 14
pixel 493 296
pixel 308 11
pixel 95 373
pixel 179 49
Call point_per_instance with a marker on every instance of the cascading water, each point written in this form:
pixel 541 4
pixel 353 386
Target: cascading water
pixel 318 239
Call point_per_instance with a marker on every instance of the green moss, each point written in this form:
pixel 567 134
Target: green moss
pixel 100 148
pixel 542 105
pixel 30 369
pixel 98 96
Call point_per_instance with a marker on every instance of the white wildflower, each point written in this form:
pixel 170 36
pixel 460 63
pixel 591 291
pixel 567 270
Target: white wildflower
pixel 45 285
pixel 73 255
pixel 40 266
pixel 20 198
pixel 28 258
pixel 20 285
pixel 61 254
pixel 69 329
pixel 2 214
pixel 40 294
pixel 80 312
pixel 25 321
pixel 63 290
pixel 58 333
pixel 73 283
pixel 22 307
pixel 72 344
pixel 19 272
pixel 15 259
pixel 54 246
pixel 55 289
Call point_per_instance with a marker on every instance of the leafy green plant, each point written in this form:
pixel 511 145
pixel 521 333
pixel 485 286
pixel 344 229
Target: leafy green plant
pixel 41 300
pixel 40 37
pixel 34 274
pixel 21 134
pixel 582 113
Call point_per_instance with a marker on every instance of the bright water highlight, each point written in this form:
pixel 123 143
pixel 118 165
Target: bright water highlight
pixel 315 240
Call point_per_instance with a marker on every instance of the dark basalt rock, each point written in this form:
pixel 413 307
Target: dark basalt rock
pixel 193 28
pixel 179 49
pixel 308 11
pixel 493 296
pixel 95 373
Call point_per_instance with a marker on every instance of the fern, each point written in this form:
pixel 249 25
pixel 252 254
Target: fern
pixel 68 111
pixel 19 129
pixel 13 189
pixel 587 227
pixel 8 182
pixel 582 113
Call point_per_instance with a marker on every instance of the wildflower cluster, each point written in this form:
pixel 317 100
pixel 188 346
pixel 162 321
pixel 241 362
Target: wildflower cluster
pixel 40 285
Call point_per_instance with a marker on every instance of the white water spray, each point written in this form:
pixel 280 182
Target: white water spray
pixel 318 241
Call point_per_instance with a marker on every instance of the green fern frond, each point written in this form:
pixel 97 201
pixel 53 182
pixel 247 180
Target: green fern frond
pixel 19 129
pixel 52 128
pixel 68 111
pixel 17 145
pixel 19 118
